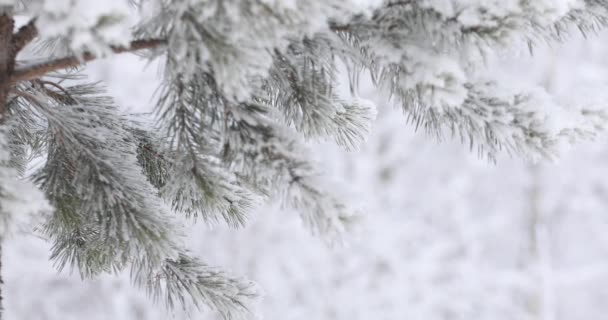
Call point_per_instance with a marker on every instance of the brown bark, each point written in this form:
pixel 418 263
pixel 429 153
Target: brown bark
pixel 7 63
pixel 38 70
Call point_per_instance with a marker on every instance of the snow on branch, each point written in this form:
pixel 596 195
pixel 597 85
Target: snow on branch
pixel 92 179
pixel 40 69
pixel 268 156
pixel 245 84
pixel 185 281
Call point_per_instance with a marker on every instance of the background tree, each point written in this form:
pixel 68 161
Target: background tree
pixel 245 82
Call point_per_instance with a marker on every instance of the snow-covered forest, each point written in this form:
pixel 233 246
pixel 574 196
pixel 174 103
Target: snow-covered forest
pixel 447 232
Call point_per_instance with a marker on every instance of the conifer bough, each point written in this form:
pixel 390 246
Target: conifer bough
pixel 246 83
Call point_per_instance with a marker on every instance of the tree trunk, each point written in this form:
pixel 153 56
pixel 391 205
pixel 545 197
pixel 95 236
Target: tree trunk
pixel 7 64
pixel 7 61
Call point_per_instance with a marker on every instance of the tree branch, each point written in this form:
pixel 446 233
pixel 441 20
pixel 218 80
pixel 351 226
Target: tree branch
pixel 40 69
pixel 7 63
pixel 24 36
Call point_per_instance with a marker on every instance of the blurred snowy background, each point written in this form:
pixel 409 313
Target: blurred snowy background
pixel 447 236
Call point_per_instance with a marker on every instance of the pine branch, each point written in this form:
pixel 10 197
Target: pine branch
pixel 255 143
pixel 121 221
pixel 40 69
pixel 187 281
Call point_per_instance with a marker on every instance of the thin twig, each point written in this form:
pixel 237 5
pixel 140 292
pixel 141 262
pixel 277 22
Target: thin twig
pixel 25 95
pixel 40 69
pixel 57 86
pixel 58 97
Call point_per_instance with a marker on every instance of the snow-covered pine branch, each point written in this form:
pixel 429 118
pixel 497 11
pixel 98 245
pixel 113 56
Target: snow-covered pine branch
pixel 185 280
pixel 246 84
pixel 427 55
pixel 92 179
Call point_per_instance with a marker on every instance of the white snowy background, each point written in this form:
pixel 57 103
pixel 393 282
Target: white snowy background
pixel 447 236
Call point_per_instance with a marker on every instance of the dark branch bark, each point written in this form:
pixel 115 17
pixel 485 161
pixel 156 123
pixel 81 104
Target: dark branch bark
pixel 38 70
pixel 7 63
pixel 24 36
